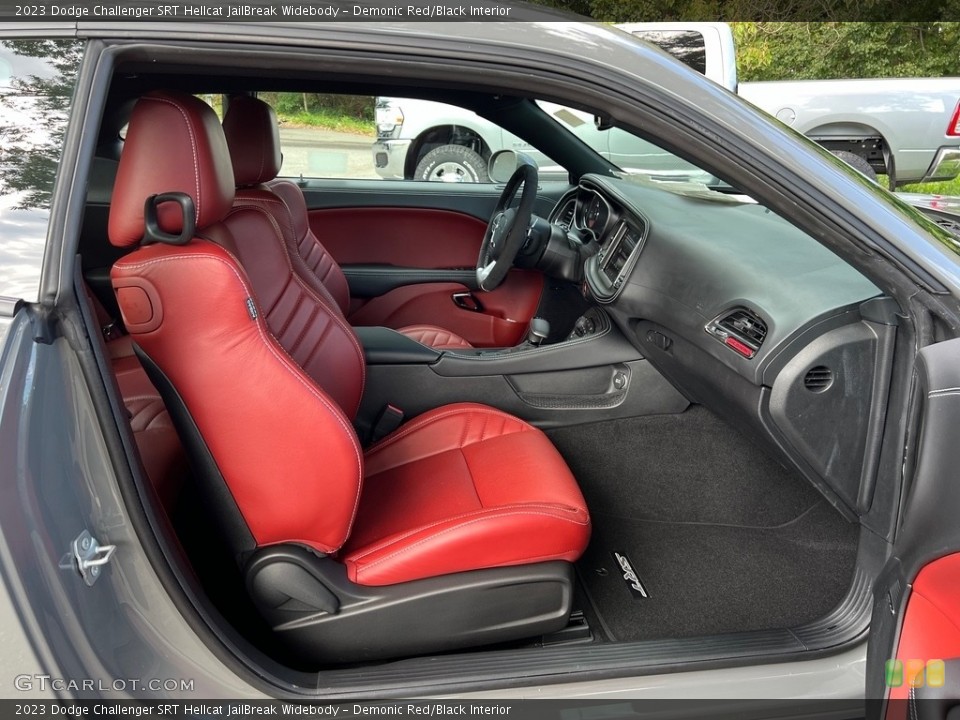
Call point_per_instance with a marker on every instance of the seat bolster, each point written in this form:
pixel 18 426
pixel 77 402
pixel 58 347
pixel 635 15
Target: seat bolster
pixel 435 337
pixel 308 247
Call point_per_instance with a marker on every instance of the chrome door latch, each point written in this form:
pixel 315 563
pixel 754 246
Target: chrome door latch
pixel 88 556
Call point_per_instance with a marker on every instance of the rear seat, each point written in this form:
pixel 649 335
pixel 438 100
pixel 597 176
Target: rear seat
pixel 162 454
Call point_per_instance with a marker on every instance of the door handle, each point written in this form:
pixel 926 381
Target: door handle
pixel 467 301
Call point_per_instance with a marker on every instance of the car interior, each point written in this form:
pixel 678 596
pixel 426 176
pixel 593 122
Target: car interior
pixel 605 423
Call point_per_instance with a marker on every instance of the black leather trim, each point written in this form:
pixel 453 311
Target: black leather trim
pixel 383 346
pixel 376 280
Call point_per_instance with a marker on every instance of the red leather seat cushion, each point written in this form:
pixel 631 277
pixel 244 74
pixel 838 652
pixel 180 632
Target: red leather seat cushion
pixel 463 487
pixel 435 337
pixel 162 454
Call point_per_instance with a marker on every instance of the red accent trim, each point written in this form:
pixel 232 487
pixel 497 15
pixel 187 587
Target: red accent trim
pixel 739 347
pixel 405 237
pixel 953 129
pixel 931 622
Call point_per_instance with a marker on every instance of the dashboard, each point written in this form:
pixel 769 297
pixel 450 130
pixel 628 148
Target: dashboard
pixel 745 314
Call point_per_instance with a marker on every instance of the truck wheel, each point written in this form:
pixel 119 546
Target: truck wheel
pixel 857 163
pixel 452 163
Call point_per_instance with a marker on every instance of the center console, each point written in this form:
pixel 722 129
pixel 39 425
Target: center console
pixel 593 374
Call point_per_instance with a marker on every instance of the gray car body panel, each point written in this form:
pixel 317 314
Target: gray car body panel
pixel 63 480
pixel 58 481
pixel 910 114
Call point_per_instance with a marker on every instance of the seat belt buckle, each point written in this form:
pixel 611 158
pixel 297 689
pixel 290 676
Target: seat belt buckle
pixel 389 419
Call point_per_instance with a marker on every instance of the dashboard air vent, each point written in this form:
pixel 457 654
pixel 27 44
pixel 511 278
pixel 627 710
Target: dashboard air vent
pixel 818 379
pixel 565 217
pixel 742 330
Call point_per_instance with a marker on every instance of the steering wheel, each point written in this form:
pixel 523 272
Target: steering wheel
pixel 507 229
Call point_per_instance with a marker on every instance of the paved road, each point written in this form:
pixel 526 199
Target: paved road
pixel 316 152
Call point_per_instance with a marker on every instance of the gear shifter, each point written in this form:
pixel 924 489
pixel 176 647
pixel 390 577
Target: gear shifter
pixel 538 332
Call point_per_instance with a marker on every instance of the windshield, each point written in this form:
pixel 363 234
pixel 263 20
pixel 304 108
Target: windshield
pixel 635 157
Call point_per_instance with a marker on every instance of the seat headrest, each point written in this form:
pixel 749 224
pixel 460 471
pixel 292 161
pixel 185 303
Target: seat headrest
pixel 250 126
pixel 174 143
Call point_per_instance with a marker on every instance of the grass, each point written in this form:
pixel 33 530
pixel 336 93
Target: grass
pixel 947 187
pixel 329 121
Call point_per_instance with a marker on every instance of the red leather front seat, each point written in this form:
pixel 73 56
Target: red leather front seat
pixel 263 379
pixel 250 127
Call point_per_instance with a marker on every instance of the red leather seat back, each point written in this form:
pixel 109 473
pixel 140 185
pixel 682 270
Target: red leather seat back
pixel 285 449
pixel 250 126
pixel 298 310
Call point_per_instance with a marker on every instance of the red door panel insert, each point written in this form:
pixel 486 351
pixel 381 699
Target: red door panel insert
pixel 406 237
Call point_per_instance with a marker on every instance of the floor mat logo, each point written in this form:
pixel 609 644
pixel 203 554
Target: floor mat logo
pixel 630 576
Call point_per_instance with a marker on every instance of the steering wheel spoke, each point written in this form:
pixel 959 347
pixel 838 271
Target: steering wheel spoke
pixel 507 229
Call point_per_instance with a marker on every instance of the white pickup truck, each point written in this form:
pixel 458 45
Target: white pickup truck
pixel 905 128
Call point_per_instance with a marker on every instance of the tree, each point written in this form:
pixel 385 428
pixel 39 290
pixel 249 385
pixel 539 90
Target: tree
pixel 33 119
pixel 793 51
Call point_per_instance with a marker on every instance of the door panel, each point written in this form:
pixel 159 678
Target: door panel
pixel 916 616
pixel 405 237
pixel 425 226
pixel 468 198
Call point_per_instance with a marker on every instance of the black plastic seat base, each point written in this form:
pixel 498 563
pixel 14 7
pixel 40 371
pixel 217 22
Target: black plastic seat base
pixel 323 617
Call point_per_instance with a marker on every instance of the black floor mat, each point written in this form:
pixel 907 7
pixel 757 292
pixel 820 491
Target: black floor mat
pixel 689 467
pixel 722 537
pixel 708 579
